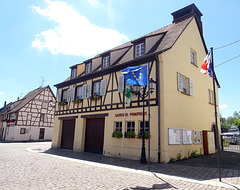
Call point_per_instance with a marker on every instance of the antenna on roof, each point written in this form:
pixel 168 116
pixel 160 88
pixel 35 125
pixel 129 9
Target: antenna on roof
pixel 43 80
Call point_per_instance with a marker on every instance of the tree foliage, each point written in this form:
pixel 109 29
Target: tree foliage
pixel 231 120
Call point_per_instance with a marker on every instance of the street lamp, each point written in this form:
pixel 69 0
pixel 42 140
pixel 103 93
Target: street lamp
pixel 143 94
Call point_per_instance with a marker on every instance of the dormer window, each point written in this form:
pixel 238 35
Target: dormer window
pixel 139 50
pixel 88 68
pixel 74 73
pixel 106 61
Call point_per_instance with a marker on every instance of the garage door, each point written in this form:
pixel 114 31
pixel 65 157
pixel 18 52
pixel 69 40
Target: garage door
pixel 68 129
pixel 94 135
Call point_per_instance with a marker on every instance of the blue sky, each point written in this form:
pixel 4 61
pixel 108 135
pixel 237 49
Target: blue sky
pixel 43 38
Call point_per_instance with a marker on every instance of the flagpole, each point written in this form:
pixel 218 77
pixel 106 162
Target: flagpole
pixel 123 129
pixel 215 107
pixel 148 121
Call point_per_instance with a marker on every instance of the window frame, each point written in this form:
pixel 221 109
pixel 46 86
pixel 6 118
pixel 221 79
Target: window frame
pixel 185 84
pixel 141 126
pixel 88 68
pixel 193 57
pixel 42 115
pixel 210 97
pixel 76 95
pixel 22 130
pixel 118 128
pixel 99 88
pixel 74 73
pixel 132 128
pixel 106 61
pixel 140 46
pixel 64 92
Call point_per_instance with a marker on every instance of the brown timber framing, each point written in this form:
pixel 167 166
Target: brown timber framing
pixel 112 105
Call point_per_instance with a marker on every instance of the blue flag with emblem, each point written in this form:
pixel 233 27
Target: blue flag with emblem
pixel 136 75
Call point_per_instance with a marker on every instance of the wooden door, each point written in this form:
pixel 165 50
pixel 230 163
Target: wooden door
pixel 94 136
pixel 68 129
pixel 41 133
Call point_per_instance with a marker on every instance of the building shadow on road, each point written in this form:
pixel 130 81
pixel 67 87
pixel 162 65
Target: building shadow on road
pixel 201 168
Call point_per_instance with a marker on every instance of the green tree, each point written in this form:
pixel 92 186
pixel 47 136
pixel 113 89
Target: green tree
pixel 236 115
pixel 237 123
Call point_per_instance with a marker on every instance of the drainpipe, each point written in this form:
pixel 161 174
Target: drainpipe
pixel 158 103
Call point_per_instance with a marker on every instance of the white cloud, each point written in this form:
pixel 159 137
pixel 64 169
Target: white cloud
pixel 96 4
pixel 1 92
pixel 223 106
pixel 74 34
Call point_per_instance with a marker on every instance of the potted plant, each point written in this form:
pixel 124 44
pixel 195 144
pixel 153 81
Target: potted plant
pixel 117 134
pixel 62 103
pixel 146 135
pixel 95 97
pixel 130 134
pixel 76 101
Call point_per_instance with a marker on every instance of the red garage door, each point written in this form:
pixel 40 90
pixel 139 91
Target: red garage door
pixel 94 135
pixel 68 129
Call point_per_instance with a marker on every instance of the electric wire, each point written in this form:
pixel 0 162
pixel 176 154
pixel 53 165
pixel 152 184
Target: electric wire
pixel 227 61
pixel 226 45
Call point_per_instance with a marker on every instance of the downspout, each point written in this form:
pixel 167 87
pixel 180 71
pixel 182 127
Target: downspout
pixel 158 103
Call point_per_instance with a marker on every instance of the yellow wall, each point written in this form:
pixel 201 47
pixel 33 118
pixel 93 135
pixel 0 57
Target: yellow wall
pixel 177 109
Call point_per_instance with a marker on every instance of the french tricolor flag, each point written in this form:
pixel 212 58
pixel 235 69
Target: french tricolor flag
pixel 207 65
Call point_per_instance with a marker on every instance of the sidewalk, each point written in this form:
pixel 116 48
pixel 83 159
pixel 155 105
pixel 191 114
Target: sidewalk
pixel 202 170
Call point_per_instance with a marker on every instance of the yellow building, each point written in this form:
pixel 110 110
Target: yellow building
pixel 90 104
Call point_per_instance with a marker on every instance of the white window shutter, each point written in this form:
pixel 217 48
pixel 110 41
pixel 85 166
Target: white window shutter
pixel 84 91
pixel 59 95
pixel 80 94
pixel 120 83
pixel 95 89
pixel 190 87
pixel 103 87
pixel 89 90
pixel 73 93
pixel 69 95
pixel 180 82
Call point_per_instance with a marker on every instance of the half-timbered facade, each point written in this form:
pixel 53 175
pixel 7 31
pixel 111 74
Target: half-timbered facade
pixel 30 118
pixel 90 104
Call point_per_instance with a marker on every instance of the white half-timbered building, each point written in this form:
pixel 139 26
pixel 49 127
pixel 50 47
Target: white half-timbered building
pixel 30 118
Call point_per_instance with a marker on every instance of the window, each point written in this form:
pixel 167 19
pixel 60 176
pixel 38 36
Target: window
pixel 97 88
pixel 88 68
pixel 130 126
pixel 79 94
pixel 64 96
pixel 193 57
pixel 106 61
pixel 74 73
pixel 118 126
pixel 146 127
pixel 42 116
pixel 210 96
pixel 185 84
pixel 22 130
pixel 139 49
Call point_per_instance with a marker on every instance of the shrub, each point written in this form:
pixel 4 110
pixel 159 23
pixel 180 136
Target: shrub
pixel 146 135
pixel 194 154
pixel 130 134
pixel 117 134
pixel 179 156
pixel 172 160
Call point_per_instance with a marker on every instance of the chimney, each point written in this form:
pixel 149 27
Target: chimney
pixel 5 103
pixel 187 12
pixel 17 98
